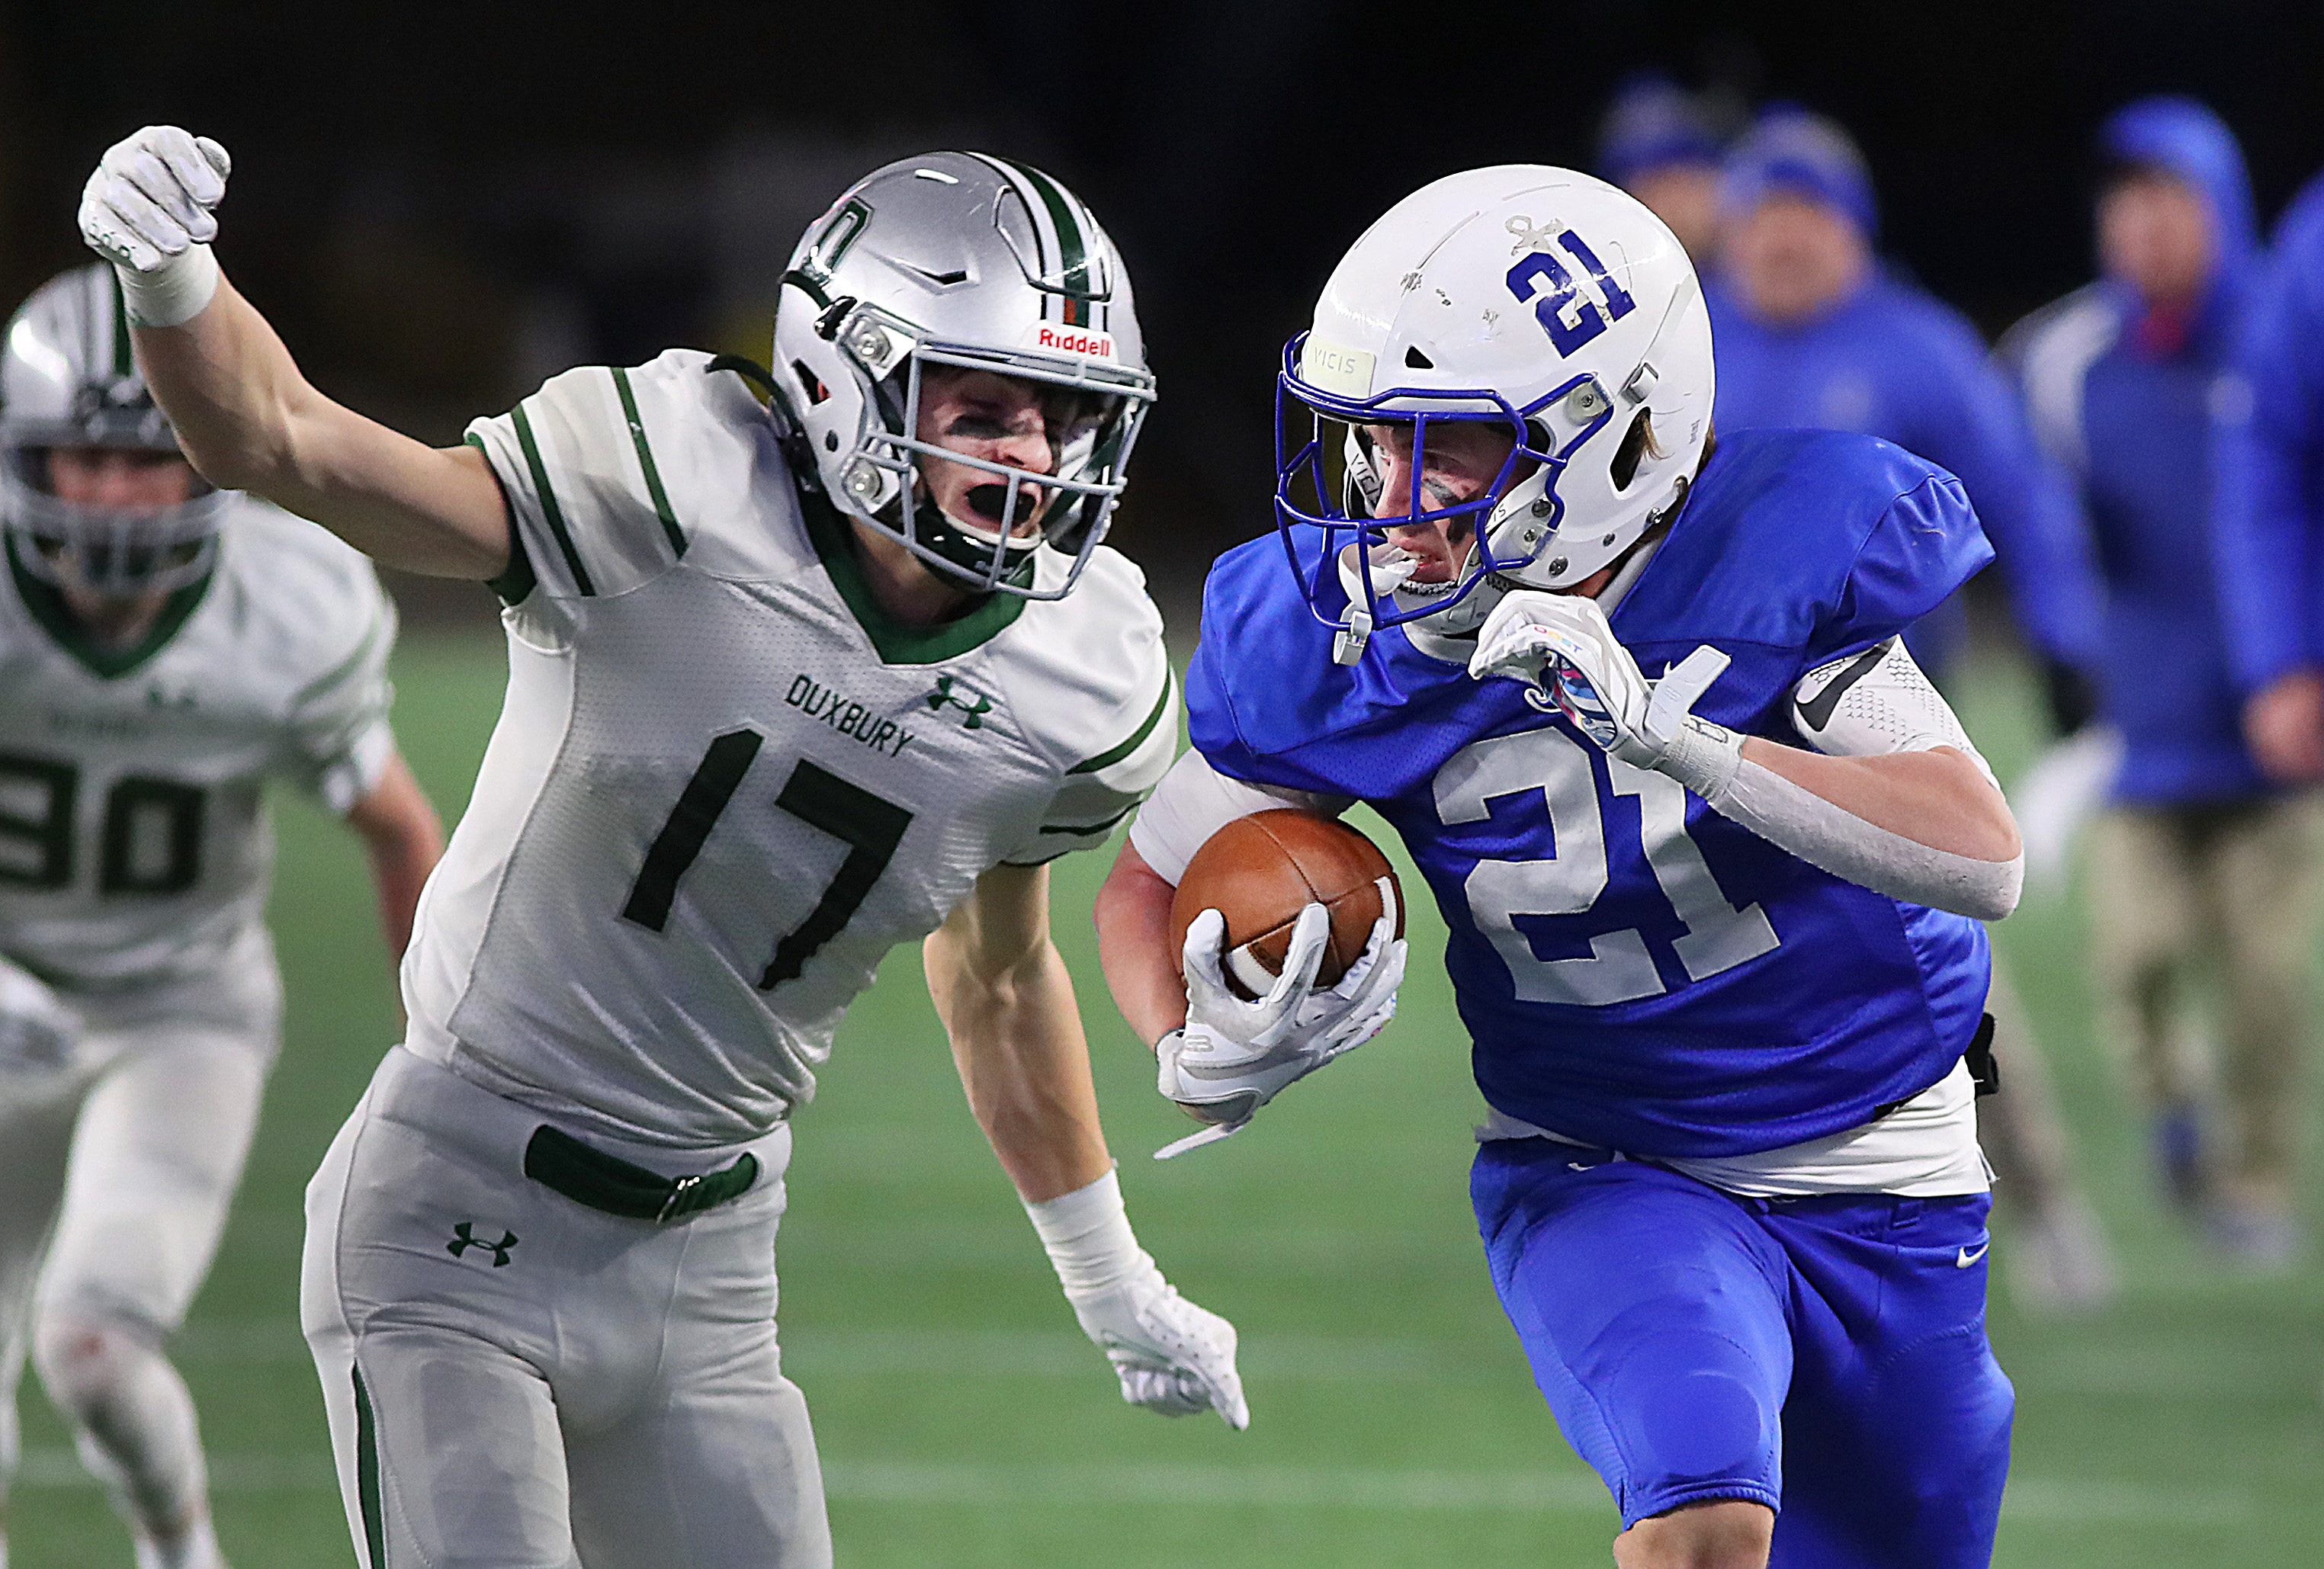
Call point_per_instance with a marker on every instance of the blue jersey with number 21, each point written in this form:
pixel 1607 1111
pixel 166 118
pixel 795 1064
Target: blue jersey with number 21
pixel 1638 971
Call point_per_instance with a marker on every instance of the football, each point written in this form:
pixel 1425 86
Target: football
pixel 1260 871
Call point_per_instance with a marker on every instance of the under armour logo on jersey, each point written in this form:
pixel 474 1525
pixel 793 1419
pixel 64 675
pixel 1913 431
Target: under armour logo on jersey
pixel 946 694
pixel 462 1238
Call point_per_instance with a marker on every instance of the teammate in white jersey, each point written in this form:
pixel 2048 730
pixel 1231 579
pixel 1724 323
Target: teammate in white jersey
pixel 165 649
pixel 786 687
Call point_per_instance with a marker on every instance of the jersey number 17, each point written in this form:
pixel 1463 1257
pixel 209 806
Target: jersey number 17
pixel 869 827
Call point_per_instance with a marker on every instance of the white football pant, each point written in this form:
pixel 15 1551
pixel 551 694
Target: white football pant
pixel 120 1148
pixel 515 1379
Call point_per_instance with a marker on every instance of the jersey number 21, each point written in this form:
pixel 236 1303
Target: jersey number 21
pixel 1619 968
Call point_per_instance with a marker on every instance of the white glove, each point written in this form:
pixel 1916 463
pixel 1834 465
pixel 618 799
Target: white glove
pixel 1233 1056
pixel 37 1031
pixel 1562 644
pixel 1170 1355
pixel 146 209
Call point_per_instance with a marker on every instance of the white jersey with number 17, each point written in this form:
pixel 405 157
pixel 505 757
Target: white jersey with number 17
pixel 723 784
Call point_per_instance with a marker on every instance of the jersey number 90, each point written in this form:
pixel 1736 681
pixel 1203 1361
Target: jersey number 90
pixel 150 840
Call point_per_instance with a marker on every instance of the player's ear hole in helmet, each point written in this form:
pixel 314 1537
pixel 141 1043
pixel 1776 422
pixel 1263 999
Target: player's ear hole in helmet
pixel 95 494
pixel 1637 443
pixel 936 278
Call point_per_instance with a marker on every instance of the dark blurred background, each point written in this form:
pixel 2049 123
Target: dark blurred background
pixel 440 206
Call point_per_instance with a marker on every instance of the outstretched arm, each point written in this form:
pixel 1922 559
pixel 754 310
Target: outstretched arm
pixel 404 839
pixel 244 415
pixel 1007 1002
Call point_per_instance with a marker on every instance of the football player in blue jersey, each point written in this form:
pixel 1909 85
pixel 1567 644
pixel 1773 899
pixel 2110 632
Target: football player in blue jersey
pixel 1714 857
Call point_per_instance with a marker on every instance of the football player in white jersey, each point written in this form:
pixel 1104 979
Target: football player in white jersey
pixel 786 687
pixel 165 649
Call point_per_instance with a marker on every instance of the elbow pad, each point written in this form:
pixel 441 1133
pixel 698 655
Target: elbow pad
pixel 1878 702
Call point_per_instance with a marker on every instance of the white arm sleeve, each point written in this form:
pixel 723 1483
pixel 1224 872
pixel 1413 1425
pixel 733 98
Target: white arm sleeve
pixel 1870 705
pixel 1194 801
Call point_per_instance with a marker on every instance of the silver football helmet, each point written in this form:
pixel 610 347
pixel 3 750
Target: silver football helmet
pixel 68 380
pixel 965 261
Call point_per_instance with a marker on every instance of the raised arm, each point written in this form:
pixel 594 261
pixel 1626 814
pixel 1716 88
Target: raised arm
pixel 1898 800
pixel 245 417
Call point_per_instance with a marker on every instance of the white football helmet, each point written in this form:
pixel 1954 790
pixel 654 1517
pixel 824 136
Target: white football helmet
pixel 1539 300
pixel 964 260
pixel 68 379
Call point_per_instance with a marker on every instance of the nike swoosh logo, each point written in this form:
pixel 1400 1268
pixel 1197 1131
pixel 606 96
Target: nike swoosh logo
pixel 1817 710
pixel 1965 1258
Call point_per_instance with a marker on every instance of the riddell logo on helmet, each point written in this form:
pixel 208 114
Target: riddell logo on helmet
pixel 1080 340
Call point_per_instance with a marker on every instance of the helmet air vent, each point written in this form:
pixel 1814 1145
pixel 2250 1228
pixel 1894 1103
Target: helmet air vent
pixel 1419 361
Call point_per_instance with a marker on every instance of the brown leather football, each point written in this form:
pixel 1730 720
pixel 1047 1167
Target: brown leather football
pixel 1260 871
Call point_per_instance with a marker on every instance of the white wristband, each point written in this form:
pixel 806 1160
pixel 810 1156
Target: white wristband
pixel 1087 1235
pixel 173 293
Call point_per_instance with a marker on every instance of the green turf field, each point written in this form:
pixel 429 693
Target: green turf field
pixel 965 1422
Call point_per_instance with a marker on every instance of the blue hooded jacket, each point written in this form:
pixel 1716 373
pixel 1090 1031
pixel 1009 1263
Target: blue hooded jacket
pixel 2268 457
pixel 2122 394
pixel 1893 361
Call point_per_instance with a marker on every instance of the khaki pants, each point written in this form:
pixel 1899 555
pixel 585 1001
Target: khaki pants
pixel 2221 899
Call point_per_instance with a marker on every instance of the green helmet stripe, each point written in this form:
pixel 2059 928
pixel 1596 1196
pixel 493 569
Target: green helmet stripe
pixel 1073 246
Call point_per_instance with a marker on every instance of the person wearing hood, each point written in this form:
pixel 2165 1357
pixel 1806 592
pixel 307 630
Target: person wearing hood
pixel 1657 142
pixel 2184 387
pixel 1815 331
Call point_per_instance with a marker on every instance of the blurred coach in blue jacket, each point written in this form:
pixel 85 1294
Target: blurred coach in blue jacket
pixel 1659 142
pixel 1812 330
pixel 2204 869
pixel 2267 425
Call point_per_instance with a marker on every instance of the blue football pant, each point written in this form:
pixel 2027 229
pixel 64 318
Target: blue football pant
pixel 1823 1356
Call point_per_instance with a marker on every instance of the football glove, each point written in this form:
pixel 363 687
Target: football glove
pixel 1170 1355
pixel 1561 645
pixel 146 209
pixel 1233 1056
